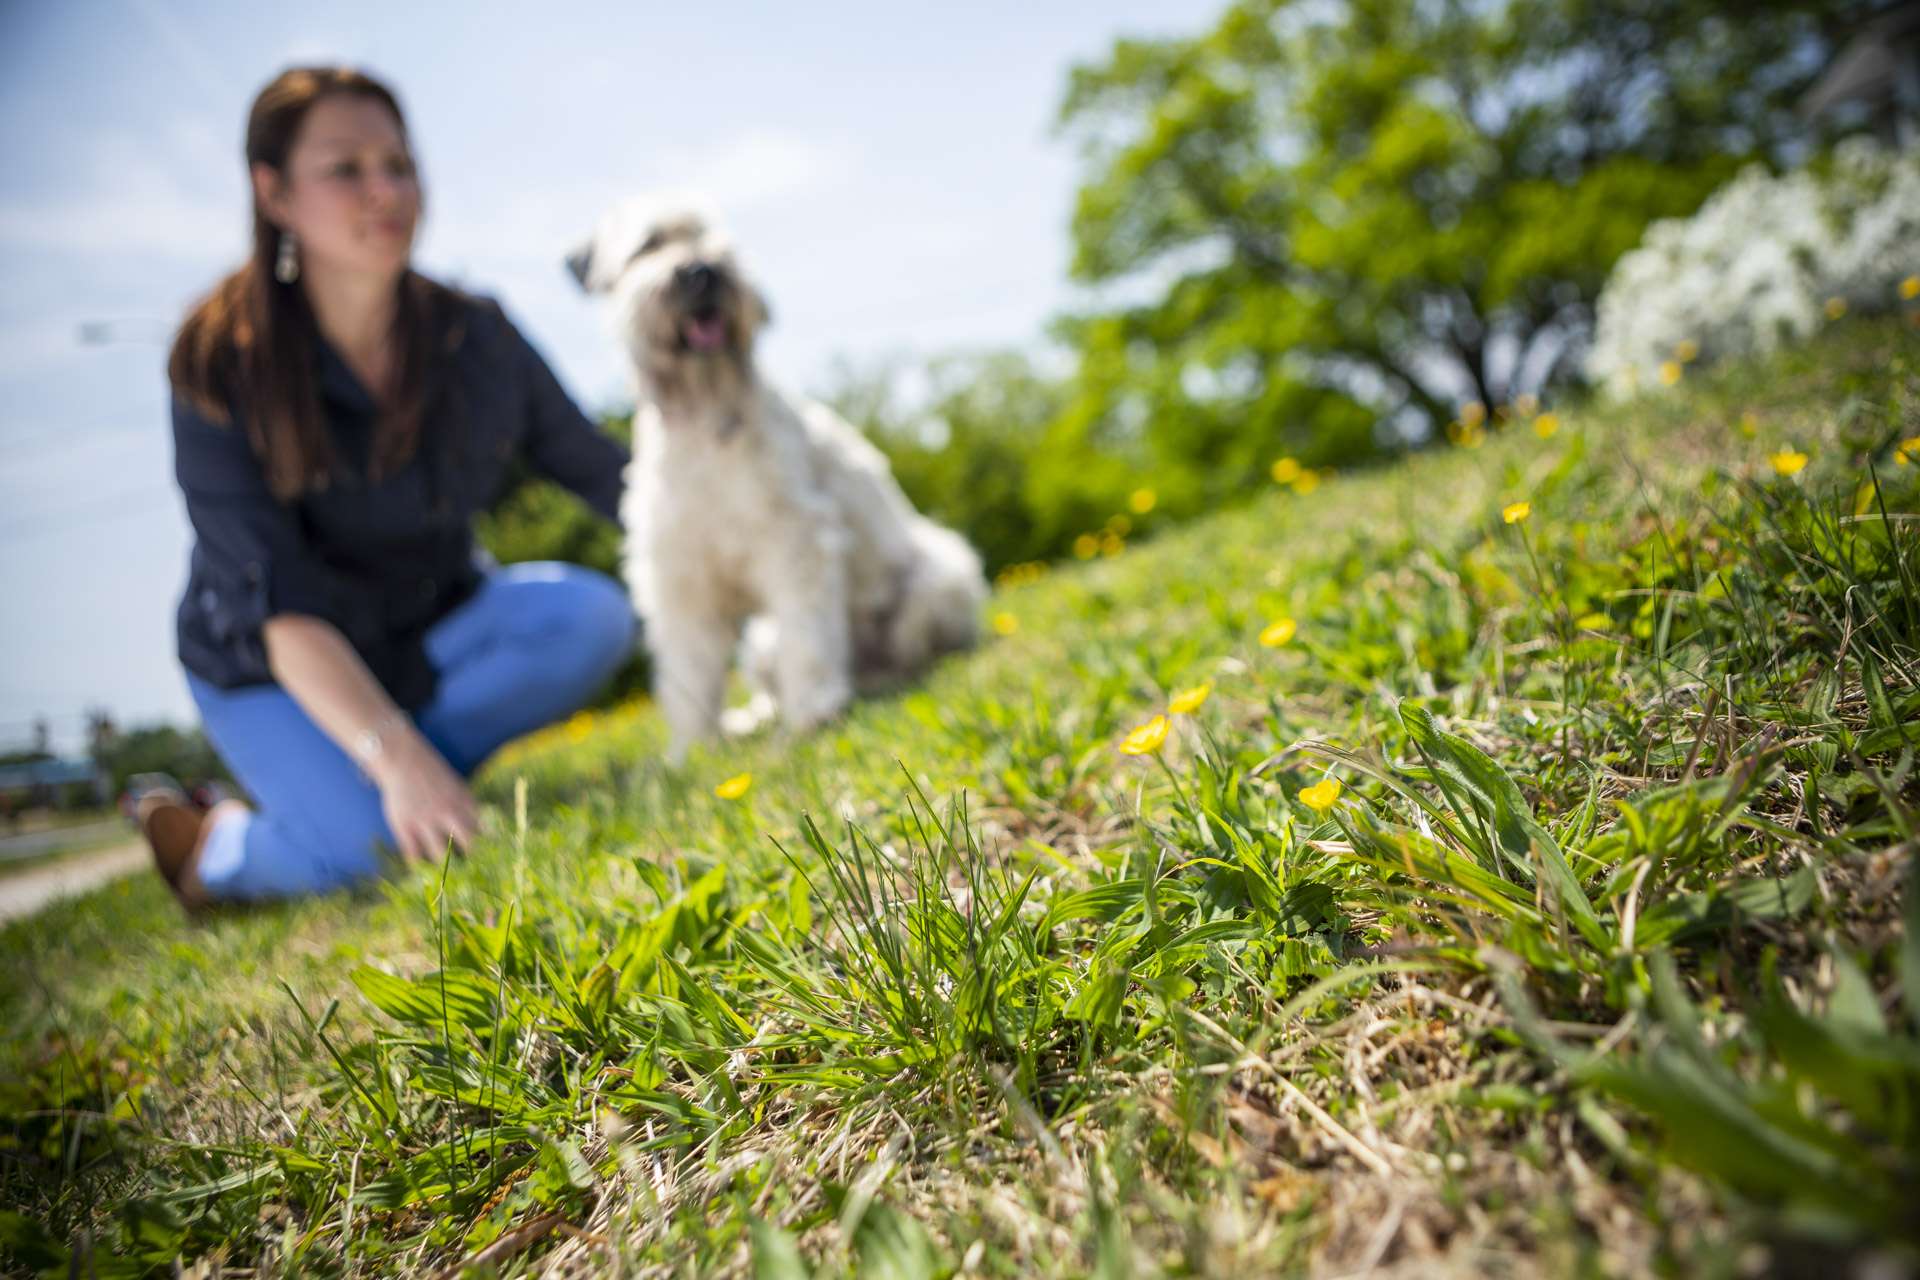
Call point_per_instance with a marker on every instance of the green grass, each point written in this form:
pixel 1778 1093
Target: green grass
pixel 1602 962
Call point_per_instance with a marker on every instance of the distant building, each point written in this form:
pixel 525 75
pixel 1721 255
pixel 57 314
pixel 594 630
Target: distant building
pixel 52 784
pixel 1874 81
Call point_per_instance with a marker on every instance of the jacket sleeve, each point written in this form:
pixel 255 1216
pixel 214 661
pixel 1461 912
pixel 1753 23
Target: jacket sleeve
pixel 258 562
pixel 561 443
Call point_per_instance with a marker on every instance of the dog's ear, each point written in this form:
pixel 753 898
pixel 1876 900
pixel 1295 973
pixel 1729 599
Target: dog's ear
pixel 580 265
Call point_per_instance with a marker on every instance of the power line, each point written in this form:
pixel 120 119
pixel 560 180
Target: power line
pixel 50 718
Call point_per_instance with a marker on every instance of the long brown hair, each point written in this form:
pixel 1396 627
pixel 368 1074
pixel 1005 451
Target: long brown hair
pixel 246 349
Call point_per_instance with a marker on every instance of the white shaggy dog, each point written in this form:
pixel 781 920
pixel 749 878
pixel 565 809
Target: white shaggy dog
pixel 754 519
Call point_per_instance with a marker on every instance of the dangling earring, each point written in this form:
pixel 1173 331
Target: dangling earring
pixel 286 267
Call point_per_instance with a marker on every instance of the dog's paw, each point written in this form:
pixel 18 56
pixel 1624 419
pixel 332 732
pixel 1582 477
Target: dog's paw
pixel 750 717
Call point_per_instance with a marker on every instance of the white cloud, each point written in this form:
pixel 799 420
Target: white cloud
pixel 313 51
pixel 177 194
pixel 755 169
pixel 748 172
pixel 189 56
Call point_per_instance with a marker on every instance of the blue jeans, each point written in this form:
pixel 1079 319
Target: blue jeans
pixel 532 644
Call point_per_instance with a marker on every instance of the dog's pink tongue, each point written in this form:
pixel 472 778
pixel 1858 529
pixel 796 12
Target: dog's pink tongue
pixel 708 334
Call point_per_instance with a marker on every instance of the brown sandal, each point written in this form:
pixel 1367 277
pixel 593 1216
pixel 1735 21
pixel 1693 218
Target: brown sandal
pixel 175 829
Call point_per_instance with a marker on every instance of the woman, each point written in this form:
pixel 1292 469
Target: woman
pixel 338 419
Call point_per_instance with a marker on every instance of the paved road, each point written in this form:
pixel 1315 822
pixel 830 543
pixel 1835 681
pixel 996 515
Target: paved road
pixel 25 892
pixel 34 843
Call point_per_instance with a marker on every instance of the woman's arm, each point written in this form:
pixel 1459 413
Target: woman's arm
pixel 562 443
pixel 426 802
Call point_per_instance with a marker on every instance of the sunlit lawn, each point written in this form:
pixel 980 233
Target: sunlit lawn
pixel 1491 862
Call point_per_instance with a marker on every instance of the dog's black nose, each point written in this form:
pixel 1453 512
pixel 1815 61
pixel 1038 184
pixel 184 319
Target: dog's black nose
pixel 696 281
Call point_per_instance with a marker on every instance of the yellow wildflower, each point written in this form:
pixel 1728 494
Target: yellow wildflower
pixel 1526 404
pixel 1086 547
pixel 735 787
pixel 1187 701
pixel 1112 544
pixel 579 726
pixel 1515 512
pixel 1141 501
pixel 1320 796
pixel 1836 307
pixel 1121 525
pixel 1306 483
pixel 1472 414
pixel 1787 462
pixel 1005 623
pixel 1686 351
pixel 1147 739
pixel 1907 450
pixel 1669 372
pixel 1285 470
pixel 1910 288
pixel 1547 425
pixel 1278 632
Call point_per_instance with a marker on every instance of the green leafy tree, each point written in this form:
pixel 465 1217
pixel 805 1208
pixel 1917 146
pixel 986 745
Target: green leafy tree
pixel 985 446
pixel 1337 222
pixel 159 748
pixel 534 519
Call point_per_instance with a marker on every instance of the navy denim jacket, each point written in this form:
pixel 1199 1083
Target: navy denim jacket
pixel 381 561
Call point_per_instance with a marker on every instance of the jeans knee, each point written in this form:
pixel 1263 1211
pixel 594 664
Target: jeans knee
pixel 265 856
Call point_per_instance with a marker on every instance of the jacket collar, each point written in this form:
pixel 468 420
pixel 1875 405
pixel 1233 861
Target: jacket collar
pixel 338 383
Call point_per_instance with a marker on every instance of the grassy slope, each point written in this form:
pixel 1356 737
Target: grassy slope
pixel 1030 1004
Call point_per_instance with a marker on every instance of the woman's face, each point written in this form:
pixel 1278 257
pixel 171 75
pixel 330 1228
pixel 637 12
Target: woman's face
pixel 349 192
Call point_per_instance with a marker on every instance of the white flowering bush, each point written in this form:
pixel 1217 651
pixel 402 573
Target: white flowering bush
pixel 1765 260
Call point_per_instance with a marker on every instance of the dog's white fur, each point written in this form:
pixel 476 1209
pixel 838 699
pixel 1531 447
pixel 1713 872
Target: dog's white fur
pixel 757 520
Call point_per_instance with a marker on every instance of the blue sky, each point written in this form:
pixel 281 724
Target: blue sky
pixel 889 171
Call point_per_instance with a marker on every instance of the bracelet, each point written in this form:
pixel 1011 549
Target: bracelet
pixel 370 744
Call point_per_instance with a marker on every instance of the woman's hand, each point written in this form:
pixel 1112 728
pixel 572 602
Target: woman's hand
pixel 427 804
